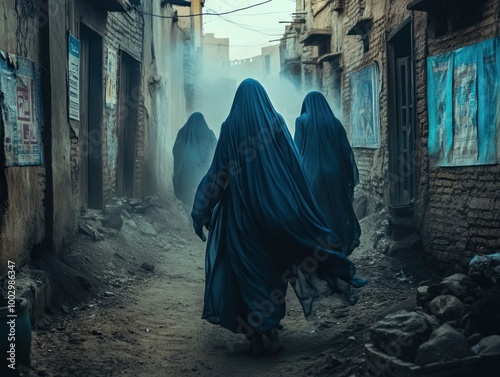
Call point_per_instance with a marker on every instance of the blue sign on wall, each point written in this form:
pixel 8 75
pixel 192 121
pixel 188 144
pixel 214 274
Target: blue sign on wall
pixel 365 109
pixel 464 105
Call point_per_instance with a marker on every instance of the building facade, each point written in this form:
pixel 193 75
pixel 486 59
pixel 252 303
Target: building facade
pixel 427 149
pixel 93 94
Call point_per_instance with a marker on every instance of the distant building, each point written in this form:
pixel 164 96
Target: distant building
pixel 217 87
pixel 261 67
pixel 215 55
pixel 221 76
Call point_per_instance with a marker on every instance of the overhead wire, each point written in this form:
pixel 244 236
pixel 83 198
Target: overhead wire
pixel 260 14
pixel 200 14
pixel 248 27
pixel 211 12
pixel 270 31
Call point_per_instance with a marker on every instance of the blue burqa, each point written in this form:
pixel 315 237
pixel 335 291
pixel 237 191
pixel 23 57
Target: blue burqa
pixel 193 151
pixel 329 164
pixel 265 228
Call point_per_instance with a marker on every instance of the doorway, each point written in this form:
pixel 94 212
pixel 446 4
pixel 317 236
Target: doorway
pixel 402 169
pixel 129 102
pixel 91 109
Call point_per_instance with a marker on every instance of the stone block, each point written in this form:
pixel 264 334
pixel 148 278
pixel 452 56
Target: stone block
pixel 400 334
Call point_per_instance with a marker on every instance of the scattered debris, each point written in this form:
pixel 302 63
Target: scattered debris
pixel 457 331
pixel 485 269
pixel 90 230
pixel 148 266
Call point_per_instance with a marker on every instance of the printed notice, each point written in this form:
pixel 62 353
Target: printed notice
pixel 20 109
pixel 74 77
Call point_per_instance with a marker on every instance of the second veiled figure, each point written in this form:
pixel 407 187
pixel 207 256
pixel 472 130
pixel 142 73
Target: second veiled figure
pixel 330 166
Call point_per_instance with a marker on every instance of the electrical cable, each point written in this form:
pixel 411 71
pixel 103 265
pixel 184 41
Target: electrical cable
pixel 260 14
pixel 200 14
pixel 247 27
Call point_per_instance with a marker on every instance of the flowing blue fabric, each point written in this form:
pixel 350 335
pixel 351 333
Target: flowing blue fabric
pixel 330 166
pixel 193 150
pixel 265 228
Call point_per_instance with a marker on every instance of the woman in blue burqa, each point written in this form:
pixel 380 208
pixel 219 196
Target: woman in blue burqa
pixel 265 229
pixel 193 151
pixel 329 164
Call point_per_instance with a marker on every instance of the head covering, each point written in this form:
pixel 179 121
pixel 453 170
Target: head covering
pixel 193 151
pixel 266 229
pixel 329 164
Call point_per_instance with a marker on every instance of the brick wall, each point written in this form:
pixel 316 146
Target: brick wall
pixel 458 207
pixel 22 191
pixel 164 81
pixel 123 33
pixel 326 76
pixel 372 163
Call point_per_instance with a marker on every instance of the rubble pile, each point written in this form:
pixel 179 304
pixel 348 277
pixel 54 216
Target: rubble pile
pixel 98 224
pixel 454 330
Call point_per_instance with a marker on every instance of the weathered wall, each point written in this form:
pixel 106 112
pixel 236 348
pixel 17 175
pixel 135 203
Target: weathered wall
pixel 123 33
pixel 332 76
pixel 372 163
pixel 22 218
pixel 458 207
pixel 422 158
pixel 273 54
pixel 62 205
pixel 164 98
pixel 41 204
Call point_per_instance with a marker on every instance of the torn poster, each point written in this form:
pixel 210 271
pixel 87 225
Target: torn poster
pixel 463 105
pixel 74 77
pixel 20 102
pixel 365 109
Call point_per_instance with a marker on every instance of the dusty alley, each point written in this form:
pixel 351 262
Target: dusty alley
pixel 130 305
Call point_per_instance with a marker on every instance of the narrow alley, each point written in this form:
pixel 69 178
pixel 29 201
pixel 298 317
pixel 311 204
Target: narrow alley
pixel 148 323
pixel 250 188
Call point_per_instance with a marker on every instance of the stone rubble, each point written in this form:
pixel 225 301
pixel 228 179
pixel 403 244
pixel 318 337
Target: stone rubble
pixel 455 330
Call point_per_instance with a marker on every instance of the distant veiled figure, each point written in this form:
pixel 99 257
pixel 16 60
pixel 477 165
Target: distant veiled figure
pixel 193 151
pixel 330 166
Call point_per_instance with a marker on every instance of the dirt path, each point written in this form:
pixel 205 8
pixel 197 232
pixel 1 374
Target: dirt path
pixel 144 323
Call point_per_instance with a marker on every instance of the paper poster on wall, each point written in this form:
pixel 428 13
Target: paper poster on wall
pixel 463 105
pixel 440 141
pixel 465 141
pixel 74 77
pixel 111 78
pixel 365 110
pixel 21 111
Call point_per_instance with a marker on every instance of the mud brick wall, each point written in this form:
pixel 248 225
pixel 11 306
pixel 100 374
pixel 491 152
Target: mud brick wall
pixel 458 208
pixel 123 33
pixel 22 188
pixel 140 184
pixel 372 163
